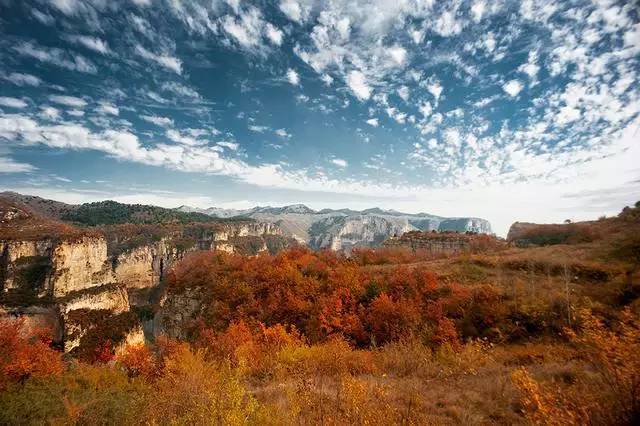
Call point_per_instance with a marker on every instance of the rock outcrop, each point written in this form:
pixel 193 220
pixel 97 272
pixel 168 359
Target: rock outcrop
pixel 78 265
pixel 445 243
pixel 344 228
pixel 176 311
pixel 346 232
pixel 83 284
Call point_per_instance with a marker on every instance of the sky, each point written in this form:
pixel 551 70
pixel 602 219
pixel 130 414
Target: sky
pixel 507 110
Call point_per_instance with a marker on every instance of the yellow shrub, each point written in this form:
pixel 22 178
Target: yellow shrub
pixel 194 391
pixel 333 358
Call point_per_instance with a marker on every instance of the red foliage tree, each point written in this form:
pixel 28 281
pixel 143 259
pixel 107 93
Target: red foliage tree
pixel 26 353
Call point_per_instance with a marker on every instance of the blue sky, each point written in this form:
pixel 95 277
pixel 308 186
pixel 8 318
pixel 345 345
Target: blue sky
pixel 508 110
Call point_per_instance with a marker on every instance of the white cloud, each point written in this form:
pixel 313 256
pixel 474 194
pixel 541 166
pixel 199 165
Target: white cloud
pixel 157 120
pixel 170 62
pixel 452 137
pixel 398 116
pixel 512 88
pixel 248 29
pixel 328 80
pixel 258 129
pixel 177 137
pixel 447 25
pixel 477 9
pixel 274 34
pixel 373 122
pixel 180 90
pixel 417 36
pixel 296 10
pixel 339 162
pixel 293 77
pixel 74 112
pixel 92 43
pixel 71 101
pixel 68 7
pixel 398 54
pixel 50 113
pixel 531 68
pixel 12 102
pixel 42 17
pixel 403 92
pixel 425 109
pixel 107 109
pixel 57 57
pixel 20 79
pixel 567 114
pixel 357 82
pixel 8 165
pixel 435 89
pixel 282 133
pixel 229 145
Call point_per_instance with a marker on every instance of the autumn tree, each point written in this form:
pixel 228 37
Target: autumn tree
pixel 26 353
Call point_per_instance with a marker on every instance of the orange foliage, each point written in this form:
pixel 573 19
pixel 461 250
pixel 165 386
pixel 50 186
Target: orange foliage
pixel 391 320
pixel 611 396
pixel 25 354
pixel 138 360
pixel 326 295
pixel 241 344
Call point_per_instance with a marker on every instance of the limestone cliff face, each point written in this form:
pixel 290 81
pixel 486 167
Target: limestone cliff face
pixel 78 287
pixel 83 263
pixel 80 265
pixel 144 266
pixel 176 311
pixel 54 268
pixel 76 308
pixel 337 233
pixel 113 298
pixel 445 243
pixel 254 229
pixel 449 245
pixel 16 256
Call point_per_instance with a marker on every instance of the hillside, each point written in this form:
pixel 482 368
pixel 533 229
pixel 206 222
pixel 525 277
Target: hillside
pixel 105 212
pixel 343 229
pixel 432 328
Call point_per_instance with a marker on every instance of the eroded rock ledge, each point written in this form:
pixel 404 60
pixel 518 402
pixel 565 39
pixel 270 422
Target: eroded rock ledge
pixel 86 287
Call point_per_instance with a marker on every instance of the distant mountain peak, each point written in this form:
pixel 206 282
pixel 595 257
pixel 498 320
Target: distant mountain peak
pixel 293 208
pixel 298 208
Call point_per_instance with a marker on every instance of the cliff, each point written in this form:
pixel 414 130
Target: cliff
pixel 446 242
pixel 344 229
pixel 83 283
pixel 346 232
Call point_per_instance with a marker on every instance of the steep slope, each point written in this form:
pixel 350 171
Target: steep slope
pixel 345 228
pixel 346 232
pixel 78 279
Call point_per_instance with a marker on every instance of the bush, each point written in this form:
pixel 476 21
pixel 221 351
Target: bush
pixel 26 353
pixel 610 396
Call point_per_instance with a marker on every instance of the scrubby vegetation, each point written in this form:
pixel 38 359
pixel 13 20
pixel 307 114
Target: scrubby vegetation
pixel 538 335
pixel 112 212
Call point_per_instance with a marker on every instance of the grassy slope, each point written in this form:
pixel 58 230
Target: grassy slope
pixel 475 387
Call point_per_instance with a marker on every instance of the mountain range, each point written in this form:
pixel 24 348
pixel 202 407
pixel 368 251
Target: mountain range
pixel 346 228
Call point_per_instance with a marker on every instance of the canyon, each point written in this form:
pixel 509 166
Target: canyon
pixel 344 229
pixel 75 280
pixel 95 270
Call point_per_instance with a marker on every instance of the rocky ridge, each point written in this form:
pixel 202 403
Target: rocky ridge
pixel 77 281
pixel 344 229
